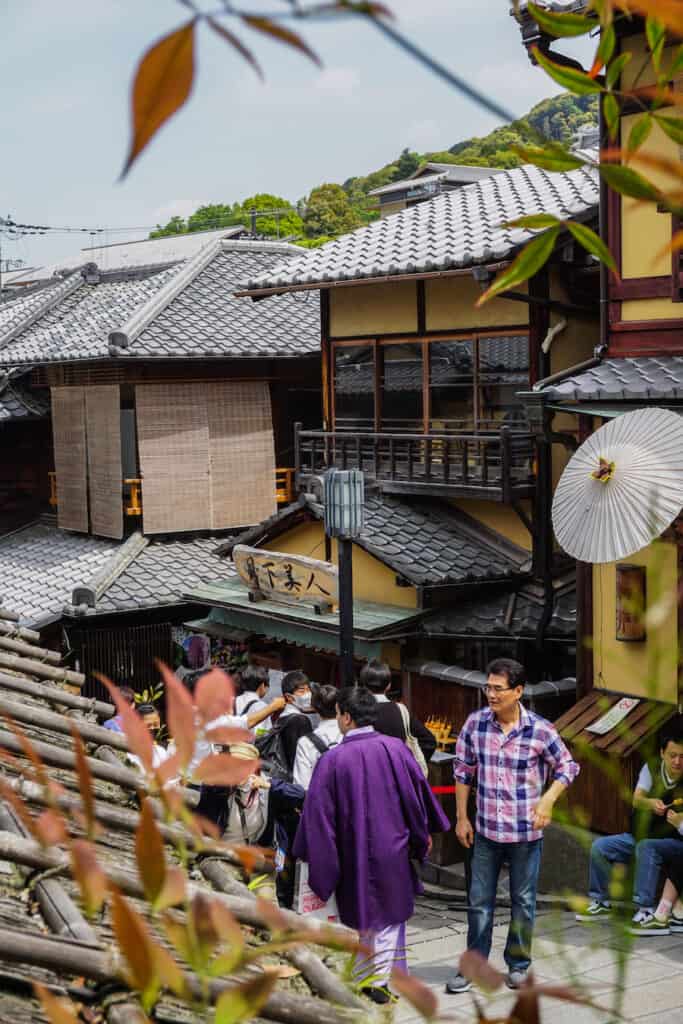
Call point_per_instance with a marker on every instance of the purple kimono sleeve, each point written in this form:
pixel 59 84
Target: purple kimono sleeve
pixel 316 838
pixel 422 810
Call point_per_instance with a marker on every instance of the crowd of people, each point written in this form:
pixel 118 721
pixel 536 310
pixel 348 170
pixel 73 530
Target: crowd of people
pixel 342 788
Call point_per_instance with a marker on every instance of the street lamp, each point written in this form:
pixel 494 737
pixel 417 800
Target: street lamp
pixel 343 502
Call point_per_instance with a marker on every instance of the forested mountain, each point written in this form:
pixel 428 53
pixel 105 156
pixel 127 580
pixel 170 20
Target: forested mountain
pixel 332 209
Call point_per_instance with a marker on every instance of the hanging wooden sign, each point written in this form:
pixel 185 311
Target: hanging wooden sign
pixel 292 579
pixel 631 597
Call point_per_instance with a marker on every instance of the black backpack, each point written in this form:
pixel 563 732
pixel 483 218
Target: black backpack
pixel 272 754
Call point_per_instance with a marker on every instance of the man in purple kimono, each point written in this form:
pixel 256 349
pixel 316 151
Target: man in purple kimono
pixel 368 812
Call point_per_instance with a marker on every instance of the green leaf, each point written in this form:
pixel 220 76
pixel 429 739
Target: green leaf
pixel 656 35
pixel 592 243
pixel 562 24
pixel 532 257
pixel 552 157
pixel 628 182
pixel 615 69
pixel 577 82
pixel 672 126
pixel 534 222
pixel 244 1001
pixel 612 111
pixel 677 63
pixel 639 133
pixel 608 41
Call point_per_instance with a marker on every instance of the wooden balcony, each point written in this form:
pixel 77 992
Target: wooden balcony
pixel 496 465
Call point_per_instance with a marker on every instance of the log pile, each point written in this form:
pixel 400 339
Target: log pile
pixel 47 937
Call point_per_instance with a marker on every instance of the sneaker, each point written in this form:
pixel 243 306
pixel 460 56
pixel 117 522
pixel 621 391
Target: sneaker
pixel 645 923
pixel 458 983
pixel 515 979
pixel 675 924
pixel 594 911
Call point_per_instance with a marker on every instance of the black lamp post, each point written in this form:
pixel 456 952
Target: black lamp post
pixel 343 503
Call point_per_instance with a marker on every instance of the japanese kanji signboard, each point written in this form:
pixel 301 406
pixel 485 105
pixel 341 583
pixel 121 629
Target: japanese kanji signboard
pixel 281 576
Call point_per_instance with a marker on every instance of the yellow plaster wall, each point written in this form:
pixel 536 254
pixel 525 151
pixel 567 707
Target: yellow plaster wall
pixel 500 518
pixel 450 306
pixel 644 232
pixel 578 339
pixel 647 669
pixel 391 653
pixel 372 581
pixel 373 309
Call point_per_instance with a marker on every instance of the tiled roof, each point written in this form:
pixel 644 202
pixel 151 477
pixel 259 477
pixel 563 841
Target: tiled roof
pixel 431 543
pixel 456 229
pixel 162 572
pixel 162 312
pixel 509 614
pixel 458 174
pixel 649 377
pixel 206 318
pixel 43 569
pixel 139 253
pixel 40 565
pixel 18 401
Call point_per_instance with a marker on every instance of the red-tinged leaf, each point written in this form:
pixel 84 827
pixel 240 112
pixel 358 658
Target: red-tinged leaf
pixel 163 83
pixel 250 857
pixel 224 770
pixel 136 732
pixel 89 876
pixel 202 827
pixel 225 924
pixel 562 25
pixel 30 754
pixel 526 1009
pixel 675 245
pixel 244 1001
pixel 134 942
pixel 214 695
pixel 477 968
pixel 592 243
pixel 85 785
pixel 168 770
pixel 178 935
pixel 57 1011
pixel 180 715
pixel 169 973
pixel 532 257
pixel 668 12
pixel 50 828
pixel 225 735
pixel 575 81
pixel 272 915
pixel 173 890
pixel 149 853
pixel 416 992
pixel 236 44
pixel 608 42
pixel 282 34
pixel 203 927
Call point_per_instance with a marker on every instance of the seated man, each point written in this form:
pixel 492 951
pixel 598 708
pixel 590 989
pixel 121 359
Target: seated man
pixel 655 839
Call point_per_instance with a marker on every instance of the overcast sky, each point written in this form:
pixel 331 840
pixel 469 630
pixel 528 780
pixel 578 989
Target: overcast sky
pixel 67 71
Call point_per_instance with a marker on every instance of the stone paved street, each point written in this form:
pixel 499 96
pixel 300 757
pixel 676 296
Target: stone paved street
pixel 563 951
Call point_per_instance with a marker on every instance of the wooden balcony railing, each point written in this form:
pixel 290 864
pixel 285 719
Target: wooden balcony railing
pixel 498 465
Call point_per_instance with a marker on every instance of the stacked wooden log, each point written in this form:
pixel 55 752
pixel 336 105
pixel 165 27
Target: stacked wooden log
pixel 40 701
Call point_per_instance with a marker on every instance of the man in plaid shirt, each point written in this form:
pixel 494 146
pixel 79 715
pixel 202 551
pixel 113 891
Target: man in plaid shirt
pixel 513 753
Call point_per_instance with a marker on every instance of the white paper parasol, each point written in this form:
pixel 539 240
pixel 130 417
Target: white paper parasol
pixel 622 488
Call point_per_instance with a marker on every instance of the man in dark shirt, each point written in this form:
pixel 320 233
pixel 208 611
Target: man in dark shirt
pixel 376 676
pixel 294 723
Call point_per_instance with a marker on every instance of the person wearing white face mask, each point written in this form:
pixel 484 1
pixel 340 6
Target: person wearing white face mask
pixel 294 722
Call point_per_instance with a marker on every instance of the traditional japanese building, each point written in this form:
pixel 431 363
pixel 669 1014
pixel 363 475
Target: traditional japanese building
pixel 156 412
pixel 420 392
pixel 639 364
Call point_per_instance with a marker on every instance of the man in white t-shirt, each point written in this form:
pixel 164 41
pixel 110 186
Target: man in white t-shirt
pixel 311 748
pixel 255 683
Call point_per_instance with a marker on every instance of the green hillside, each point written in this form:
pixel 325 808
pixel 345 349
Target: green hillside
pixel 332 209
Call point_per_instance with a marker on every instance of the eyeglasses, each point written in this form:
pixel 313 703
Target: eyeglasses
pixel 497 689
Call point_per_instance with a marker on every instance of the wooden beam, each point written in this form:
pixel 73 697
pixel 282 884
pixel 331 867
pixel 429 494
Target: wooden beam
pixel 29 666
pixel 55 695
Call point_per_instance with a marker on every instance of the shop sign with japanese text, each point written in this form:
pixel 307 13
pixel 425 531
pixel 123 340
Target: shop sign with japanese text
pixel 278 574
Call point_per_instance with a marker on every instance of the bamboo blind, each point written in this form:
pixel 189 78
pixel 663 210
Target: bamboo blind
pixel 241 453
pixel 69 433
pixel 173 442
pixel 207 455
pixel 103 419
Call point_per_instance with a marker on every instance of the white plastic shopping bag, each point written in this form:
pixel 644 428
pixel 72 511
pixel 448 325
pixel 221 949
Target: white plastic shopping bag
pixel 306 902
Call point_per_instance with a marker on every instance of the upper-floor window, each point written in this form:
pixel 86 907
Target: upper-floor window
pixel 459 384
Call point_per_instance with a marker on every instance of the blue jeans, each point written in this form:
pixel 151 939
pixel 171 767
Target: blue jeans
pixel 651 855
pixel 524 860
